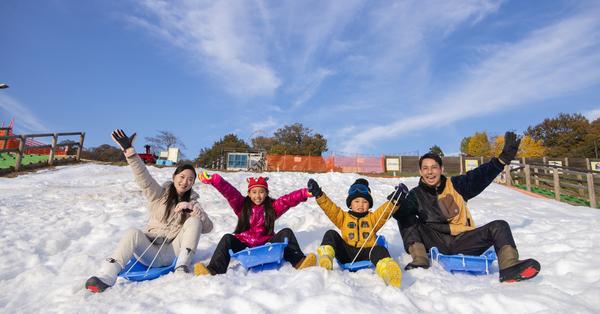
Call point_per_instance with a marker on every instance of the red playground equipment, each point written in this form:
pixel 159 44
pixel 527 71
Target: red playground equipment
pixel 148 157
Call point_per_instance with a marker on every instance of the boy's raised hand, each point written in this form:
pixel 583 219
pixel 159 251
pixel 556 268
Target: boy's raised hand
pixel 399 194
pixel 313 188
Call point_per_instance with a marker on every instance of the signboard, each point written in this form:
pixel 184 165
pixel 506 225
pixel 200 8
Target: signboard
pixel 471 164
pixel 595 165
pixel 392 164
pixel 555 163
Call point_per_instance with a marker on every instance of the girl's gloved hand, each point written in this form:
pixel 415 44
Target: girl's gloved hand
pixel 204 177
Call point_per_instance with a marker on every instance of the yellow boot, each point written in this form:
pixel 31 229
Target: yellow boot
pixel 309 261
pixel 389 271
pixel 326 255
pixel 200 270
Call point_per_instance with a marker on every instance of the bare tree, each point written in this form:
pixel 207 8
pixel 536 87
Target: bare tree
pixel 163 141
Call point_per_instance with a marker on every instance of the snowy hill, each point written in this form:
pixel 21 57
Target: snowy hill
pixel 58 225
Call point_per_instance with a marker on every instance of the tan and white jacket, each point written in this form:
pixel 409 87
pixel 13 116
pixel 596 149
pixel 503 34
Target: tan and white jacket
pixel 156 195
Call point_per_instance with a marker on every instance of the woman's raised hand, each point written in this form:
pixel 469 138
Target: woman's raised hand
pixel 122 140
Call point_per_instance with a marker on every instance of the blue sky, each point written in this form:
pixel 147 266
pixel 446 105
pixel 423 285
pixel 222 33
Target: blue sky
pixel 374 77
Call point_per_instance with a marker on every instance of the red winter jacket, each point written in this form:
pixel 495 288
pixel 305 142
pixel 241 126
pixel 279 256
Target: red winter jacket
pixel 257 234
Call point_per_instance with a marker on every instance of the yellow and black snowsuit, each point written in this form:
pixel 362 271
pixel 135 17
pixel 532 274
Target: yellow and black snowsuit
pixel 354 228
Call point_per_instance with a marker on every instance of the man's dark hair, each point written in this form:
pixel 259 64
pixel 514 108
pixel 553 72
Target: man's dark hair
pixel 433 156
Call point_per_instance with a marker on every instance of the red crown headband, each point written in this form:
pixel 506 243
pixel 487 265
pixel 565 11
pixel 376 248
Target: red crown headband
pixel 257 182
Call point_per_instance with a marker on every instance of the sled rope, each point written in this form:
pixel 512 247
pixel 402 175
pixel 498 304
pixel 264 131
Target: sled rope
pixel 137 260
pixel 376 224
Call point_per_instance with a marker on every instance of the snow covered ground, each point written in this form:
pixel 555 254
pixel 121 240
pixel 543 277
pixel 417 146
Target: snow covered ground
pixel 56 226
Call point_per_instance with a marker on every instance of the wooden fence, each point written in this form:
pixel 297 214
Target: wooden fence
pixel 23 147
pixel 566 183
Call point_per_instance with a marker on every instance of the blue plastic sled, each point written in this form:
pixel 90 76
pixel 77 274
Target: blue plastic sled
pixel 356 266
pixel 263 257
pixel 475 265
pixel 140 272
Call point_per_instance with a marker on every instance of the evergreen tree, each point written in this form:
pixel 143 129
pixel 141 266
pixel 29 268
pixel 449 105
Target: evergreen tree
pixel 436 150
pixel 210 157
pixel 563 136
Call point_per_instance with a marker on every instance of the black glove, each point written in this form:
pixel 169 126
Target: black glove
pixel 314 188
pixel 511 146
pixel 121 138
pixel 399 194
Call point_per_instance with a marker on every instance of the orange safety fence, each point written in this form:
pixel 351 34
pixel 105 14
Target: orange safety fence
pixel 13 143
pixel 362 164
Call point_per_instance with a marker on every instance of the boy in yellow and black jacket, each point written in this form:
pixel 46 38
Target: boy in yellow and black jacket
pixel 358 225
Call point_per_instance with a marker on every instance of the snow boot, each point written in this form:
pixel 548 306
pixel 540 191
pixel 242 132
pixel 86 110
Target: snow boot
pixel 108 276
pixel 389 271
pixel 512 269
pixel 309 260
pixel 201 270
pixel 419 256
pixel 326 256
pixel 184 260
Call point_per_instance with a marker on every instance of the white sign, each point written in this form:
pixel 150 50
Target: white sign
pixel 471 164
pixel 595 165
pixel 392 164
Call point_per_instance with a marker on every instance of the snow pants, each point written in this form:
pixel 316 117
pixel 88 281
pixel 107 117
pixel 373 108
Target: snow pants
pixel 345 253
pixel 474 242
pixel 135 242
pixel 220 259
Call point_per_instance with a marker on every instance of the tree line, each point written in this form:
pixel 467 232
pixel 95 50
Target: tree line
pixel 566 135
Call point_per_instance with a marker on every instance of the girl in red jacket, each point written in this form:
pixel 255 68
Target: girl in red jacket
pixel 256 213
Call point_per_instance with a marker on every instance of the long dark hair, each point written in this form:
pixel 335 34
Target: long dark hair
pixel 173 197
pixel 244 218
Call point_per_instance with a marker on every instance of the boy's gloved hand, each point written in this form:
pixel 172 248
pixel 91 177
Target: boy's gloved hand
pixel 122 140
pixel 399 194
pixel 511 146
pixel 314 188
pixel 204 177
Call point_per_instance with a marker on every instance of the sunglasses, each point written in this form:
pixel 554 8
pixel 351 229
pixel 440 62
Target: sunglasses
pixel 358 188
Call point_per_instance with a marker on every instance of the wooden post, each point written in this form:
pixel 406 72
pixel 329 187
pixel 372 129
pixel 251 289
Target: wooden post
pixel 481 160
pixel 591 190
pixel 400 164
pixel 528 177
pixel 52 149
pixel 545 163
pixel 20 153
pixel 537 182
pixel 462 164
pixel 556 184
pixel 507 175
pixel 566 161
pixel 587 164
pixel 80 147
pixel 580 183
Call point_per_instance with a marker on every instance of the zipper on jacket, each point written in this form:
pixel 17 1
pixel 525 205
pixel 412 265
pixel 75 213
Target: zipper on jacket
pixel 358 232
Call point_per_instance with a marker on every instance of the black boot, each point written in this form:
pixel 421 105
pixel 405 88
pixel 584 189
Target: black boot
pixel 95 285
pixel 512 269
pixel 523 270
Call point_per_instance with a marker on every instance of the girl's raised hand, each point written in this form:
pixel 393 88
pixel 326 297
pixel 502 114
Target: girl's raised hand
pixel 204 177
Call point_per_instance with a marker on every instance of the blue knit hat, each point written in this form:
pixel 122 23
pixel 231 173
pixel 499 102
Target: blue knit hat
pixel 360 188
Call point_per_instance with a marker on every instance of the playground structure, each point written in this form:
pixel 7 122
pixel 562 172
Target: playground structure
pixel 148 157
pixel 17 151
pixel 170 157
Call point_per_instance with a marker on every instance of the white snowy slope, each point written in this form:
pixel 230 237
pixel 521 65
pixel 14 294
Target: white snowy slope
pixel 56 227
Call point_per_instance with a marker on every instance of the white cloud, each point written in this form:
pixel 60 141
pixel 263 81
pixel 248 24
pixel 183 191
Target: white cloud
pixel 592 114
pixel 222 36
pixel 25 120
pixel 552 61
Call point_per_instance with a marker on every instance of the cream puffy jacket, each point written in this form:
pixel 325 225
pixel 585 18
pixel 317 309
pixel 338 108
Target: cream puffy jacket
pixel 156 195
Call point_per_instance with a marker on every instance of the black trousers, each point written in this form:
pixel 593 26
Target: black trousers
pixel 345 253
pixel 474 242
pixel 220 259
